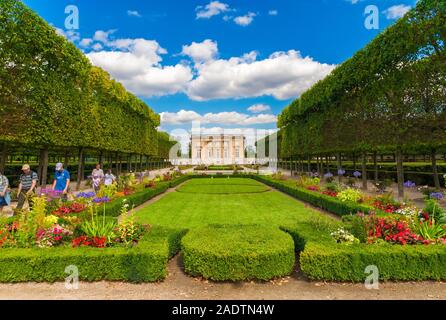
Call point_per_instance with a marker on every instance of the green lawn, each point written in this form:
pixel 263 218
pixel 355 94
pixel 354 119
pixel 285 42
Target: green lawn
pixel 189 209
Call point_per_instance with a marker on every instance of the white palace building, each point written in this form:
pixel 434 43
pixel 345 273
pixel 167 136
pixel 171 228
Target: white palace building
pixel 218 149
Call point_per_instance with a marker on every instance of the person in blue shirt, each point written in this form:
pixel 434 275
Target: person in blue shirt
pixel 61 180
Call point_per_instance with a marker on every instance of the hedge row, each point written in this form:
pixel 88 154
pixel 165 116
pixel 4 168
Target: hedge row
pixel 238 252
pixel 319 200
pixel 321 258
pixel 143 263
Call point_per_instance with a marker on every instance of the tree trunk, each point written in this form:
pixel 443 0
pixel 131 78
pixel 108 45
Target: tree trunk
pixel 3 156
pixel 43 166
pixel 80 169
pixel 400 172
pixel 309 164
pixel 66 160
pixel 364 171
pixel 339 159
pixel 375 167
pixel 435 168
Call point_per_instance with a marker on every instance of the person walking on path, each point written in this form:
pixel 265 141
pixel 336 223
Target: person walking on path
pixel 5 199
pixel 109 178
pixel 97 177
pixel 61 180
pixel 27 186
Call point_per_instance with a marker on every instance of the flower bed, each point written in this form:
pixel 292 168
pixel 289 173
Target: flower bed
pixel 142 263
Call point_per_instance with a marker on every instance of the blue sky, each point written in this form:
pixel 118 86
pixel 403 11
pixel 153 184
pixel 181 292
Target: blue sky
pixel 213 60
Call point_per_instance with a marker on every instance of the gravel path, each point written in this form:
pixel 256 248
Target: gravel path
pixel 179 286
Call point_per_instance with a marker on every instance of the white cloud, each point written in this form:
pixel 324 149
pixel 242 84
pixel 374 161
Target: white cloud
pixel 133 13
pixel 283 75
pixel 257 108
pixel 201 52
pixel 97 47
pixel 136 64
pixel 103 36
pixel 70 35
pixel 396 12
pixel 227 118
pixel 273 12
pixel 245 20
pixel 214 8
pixel 86 42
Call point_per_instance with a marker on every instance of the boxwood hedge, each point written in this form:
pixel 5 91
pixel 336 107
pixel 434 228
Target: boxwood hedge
pixel 238 252
pixel 143 263
pixel 322 201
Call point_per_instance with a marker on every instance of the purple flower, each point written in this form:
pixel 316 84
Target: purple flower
pixel 409 184
pixel 357 174
pixel 341 172
pixel 86 195
pixel 50 193
pixel 328 175
pixel 101 200
pixel 437 195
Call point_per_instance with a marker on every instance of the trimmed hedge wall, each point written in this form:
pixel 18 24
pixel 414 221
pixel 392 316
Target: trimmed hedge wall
pixel 238 252
pixel 143 263
pixel 340 262
pixel 322 201
pixel 321 258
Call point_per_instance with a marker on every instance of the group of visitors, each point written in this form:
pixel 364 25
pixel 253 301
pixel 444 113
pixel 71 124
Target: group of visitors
pixel 98 177
pixel 28 182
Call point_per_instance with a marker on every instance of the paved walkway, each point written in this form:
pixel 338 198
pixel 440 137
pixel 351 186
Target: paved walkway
pixel 180 286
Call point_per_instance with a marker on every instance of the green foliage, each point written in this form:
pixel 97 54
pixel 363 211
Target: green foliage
pixel 45 80
pixel 99 227
pixel 350 195
pixel 430 230
pixel 30 222
pixel 435 211
pixel 236 253
pixel 388 95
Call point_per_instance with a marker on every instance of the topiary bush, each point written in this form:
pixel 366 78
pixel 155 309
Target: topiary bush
pixel 238 252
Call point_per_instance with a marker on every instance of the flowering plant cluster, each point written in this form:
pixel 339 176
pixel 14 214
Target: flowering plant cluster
pixel 409 184
pixel 357 174
pixel 313 188
pixel 394 231
pixel 330 193
pixel 343 236
pixel 86 195
pixel 84 241
pixel 101 200
pixel 69 209
pixel 436 195
pixel 56 235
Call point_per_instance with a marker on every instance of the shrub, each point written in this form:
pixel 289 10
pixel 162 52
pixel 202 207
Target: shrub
pixel 238 252
pixel 350 195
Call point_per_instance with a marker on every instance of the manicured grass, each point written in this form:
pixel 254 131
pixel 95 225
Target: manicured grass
pixel 223 186
pixel 190 210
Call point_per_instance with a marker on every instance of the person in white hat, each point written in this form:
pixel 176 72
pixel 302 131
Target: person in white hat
pixel 27 186
pixel 61 180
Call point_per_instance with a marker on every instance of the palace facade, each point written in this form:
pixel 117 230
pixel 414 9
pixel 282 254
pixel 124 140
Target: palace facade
pixel 218 149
